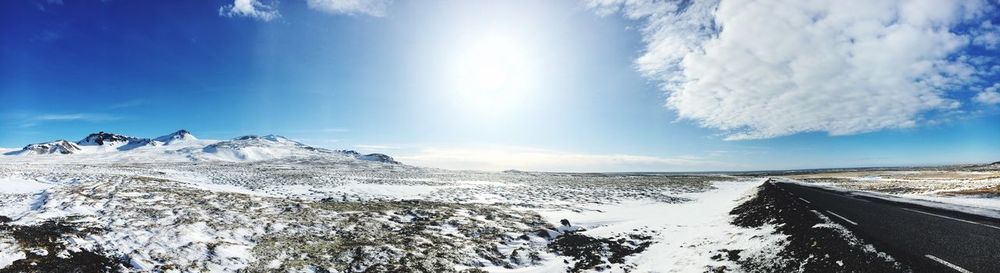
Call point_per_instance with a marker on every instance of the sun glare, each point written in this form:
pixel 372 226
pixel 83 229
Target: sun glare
pixel 492 74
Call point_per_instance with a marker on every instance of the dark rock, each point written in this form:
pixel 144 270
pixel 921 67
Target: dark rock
pixel 598 253
pixel 101 138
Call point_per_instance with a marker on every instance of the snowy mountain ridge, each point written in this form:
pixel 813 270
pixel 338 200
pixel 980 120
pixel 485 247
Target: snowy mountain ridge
pixel 182 145
pixel 52 147
pixel 180 135
pixel 109 139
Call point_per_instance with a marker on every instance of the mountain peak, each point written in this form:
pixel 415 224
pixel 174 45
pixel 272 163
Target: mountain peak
pixel 377 157
pixel 102 138
pixel 247 137
pixel 244 148
pixel 52 147
pixel 275 138
pixel 179 135
pixel 369 157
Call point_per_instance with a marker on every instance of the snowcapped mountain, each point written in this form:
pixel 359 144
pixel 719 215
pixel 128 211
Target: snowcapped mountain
pixel 105 139
pixel 254 148
pixel 179 136
pixel 111 141
pixel 53 147
pixel 184 146
pixel 370 157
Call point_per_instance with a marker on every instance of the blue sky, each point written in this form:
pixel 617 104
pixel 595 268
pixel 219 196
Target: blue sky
pixel 553 85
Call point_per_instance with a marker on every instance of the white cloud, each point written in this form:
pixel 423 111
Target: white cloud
pixel 370 7
pixel 267 11
pixel 250 8
pixel 989 96
pixel 75 117
pixel 526 159
pixel 988 35
pixel 33 121
pixel 769 68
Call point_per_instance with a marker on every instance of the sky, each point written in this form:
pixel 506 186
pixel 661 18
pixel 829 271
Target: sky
pixel 592 85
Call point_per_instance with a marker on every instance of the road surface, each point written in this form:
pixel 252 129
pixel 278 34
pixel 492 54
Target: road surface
pixel 927 239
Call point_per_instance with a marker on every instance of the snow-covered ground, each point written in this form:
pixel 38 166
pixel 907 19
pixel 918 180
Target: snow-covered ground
pixel 686 234
pixel 266 203
pixel 345 215
pixel 21 185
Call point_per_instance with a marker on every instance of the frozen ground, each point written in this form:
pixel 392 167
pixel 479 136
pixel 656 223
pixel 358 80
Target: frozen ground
pixel 269 204
pixel 321 215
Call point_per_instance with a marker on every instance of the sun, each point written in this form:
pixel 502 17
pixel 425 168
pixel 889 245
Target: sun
pixel 492 73
pixel 488 66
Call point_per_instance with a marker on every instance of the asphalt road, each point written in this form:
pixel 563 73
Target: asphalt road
pixel 927 239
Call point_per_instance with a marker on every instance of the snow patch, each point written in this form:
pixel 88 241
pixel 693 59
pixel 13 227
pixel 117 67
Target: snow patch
pixel 21 185
pixel 688 232
pixel 9 253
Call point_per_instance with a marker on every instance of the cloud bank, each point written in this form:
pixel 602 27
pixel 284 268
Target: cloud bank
pixel 268 10
pixel 366 7
pixel 250 8
pixel 527 159
pixel 32 121
pixel 989 96
pixel 770 68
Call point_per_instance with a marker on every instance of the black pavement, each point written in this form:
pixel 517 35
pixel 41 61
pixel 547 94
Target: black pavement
pixel 927 239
